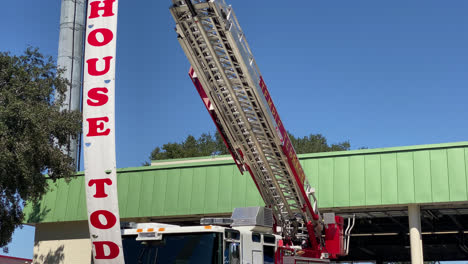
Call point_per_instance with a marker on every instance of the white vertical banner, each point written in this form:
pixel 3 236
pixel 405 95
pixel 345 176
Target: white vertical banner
pixel 99 132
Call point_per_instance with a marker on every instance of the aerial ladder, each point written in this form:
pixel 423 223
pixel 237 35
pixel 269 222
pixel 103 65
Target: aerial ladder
pixel 231 86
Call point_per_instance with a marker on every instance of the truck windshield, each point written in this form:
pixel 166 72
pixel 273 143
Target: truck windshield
pixel 190 248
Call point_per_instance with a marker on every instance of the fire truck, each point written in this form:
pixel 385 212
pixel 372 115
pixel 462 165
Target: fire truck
pixel 290 228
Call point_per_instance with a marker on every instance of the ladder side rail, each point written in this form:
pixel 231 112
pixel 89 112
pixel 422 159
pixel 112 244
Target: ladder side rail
pixel 292 158
pixel 249 129
pixel 196 64
pixel 209 107
pixel 210 67
pixel 233 47
pixel 251 158
pixel 253 83
pixel 288 149
pixel 272 146
pixel 237 36
pixel 194 61
pixel 217 122
pixel 294 167
pixel 268 201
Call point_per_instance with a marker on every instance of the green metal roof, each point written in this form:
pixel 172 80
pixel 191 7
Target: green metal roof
pixel 374 177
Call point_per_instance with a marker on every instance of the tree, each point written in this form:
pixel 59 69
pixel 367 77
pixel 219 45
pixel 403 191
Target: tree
pixel 207 145
pixel 33 133
pixel 316 143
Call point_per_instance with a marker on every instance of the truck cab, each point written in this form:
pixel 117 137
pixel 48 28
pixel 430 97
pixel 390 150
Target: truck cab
pixel 217 241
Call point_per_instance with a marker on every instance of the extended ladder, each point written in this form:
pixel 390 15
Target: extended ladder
pixel 230 84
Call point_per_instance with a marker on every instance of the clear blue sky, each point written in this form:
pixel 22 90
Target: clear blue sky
pixel 376 73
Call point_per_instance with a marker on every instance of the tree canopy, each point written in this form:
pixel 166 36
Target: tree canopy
pixel 33 133
pixel 316 143
pixel 212 144
pixel 206 145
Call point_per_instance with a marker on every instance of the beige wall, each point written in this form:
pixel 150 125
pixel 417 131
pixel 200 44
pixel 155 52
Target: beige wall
pixel 62 243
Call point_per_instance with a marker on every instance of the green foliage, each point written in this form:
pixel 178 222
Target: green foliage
pixel 33 133
pixel 316 143
pixel 207 145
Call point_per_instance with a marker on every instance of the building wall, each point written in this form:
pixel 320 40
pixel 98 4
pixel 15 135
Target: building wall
pixel 390 177
pixel 426 174
pixel 57 243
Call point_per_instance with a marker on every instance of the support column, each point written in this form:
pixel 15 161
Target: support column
pixel 70 58
pixel 414 219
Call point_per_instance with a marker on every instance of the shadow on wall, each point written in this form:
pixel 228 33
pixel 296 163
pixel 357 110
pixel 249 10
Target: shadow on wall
pixel 37 215
pixel 52 257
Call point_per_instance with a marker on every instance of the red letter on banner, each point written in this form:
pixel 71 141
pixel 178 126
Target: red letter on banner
pixel 100 187
pixel 92 68
pixel 110 219
pixel 96 127
pixel 107 36
pixel 107 8
pixel 113 248
pixel 98 94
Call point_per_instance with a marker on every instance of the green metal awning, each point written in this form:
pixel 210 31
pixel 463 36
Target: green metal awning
pixel 387 177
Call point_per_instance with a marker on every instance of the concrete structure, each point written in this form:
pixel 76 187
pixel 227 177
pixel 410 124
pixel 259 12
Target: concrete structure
pixel 414 219
pixel 398 195
pixel 70 56
pixel 62 242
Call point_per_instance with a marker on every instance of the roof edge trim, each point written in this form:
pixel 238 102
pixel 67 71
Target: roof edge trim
pixel 384 150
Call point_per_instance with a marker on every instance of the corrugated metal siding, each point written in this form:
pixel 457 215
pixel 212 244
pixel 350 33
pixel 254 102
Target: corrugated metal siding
pixel 155 192
pixel 436 175
pixel 379 177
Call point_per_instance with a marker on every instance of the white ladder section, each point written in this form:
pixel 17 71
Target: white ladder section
pixel 210 36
